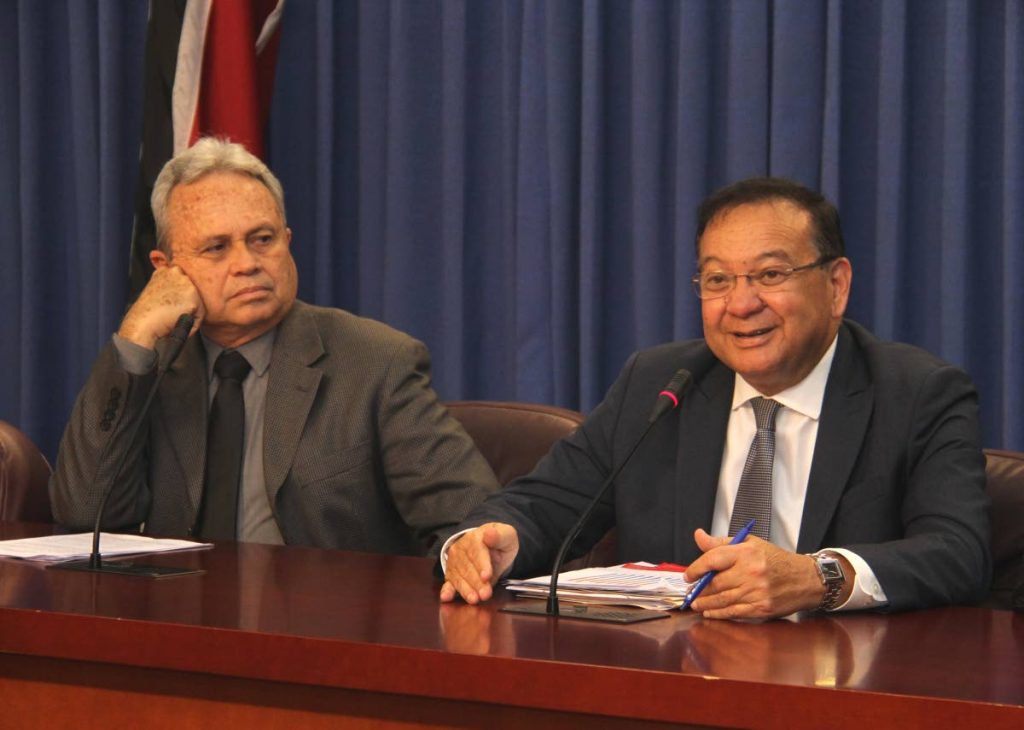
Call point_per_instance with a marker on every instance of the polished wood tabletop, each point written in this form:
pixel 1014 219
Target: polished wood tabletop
pixel 287 629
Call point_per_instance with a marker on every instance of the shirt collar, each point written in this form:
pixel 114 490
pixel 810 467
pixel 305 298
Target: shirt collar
pixel 805 397
pixel 257 352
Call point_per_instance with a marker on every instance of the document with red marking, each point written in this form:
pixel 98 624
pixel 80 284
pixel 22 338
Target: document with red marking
pixel 633 584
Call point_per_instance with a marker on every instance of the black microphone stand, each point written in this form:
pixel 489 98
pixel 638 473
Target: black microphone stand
pixel 94 563
pixel 668 399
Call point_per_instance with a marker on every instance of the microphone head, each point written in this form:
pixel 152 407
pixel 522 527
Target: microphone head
pixel 679 383
pixel 671 394
pixel 182 327
pixel 176 340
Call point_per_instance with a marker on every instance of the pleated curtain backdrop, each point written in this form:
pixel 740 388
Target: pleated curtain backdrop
pixel 70 116
pixel 515 182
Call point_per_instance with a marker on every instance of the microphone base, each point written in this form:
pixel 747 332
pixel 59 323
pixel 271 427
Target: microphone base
pixel 610 614
pixel 125 567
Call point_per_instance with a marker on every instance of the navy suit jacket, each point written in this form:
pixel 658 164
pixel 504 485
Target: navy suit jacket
pixel 897 474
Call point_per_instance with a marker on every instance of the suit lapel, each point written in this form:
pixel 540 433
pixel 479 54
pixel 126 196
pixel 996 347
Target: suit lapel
pixel 290 392
pixel 184 407
pixel 845 413
pixel 703 417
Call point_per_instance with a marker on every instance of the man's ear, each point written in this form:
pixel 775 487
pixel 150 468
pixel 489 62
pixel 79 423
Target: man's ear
pixel 841 275
pixel 158 258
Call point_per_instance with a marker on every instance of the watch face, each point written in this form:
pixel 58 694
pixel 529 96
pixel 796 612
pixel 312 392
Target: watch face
pixel 831 570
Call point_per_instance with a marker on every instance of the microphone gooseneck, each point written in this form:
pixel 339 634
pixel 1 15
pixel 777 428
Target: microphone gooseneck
pixel 177 339
pixel 668 399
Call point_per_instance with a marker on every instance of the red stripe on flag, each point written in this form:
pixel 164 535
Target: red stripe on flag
pixel 237 80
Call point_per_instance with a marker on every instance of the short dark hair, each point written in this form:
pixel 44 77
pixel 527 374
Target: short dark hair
pixel 828 238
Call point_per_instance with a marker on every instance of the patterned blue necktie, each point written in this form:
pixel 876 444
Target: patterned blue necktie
pixel 754 498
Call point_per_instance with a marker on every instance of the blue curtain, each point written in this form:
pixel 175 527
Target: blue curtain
pixel 515 182
pixel 70 116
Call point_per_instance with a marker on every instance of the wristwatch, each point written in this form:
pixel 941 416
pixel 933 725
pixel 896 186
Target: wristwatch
pixel 830 570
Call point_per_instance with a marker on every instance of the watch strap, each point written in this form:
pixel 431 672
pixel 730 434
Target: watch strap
pixel 830 571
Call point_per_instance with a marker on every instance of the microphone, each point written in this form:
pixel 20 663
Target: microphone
pixel 178 337
pixel 669 397
pixel 176 341
pixel 668 400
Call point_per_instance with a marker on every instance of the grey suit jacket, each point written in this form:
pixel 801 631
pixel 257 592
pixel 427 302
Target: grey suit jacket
pixel 358 452
pixel 897 474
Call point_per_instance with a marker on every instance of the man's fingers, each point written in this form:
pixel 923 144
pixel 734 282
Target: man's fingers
pixel 719 553
pixel 476 560
pixel 718 559
pixel 726 588
pixel 456 583
pixel 168 294
pixel 447 592
pixel 200 315
pixel 464 579
pixel 478 551
pixel 471 587
pixel 706 542
pixel 469 568
pixel 763 581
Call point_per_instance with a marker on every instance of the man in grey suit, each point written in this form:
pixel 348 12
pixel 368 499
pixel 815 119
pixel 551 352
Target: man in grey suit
pixel 876 487
pixel 345 443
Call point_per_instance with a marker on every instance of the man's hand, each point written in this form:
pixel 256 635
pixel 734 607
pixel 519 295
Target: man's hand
pixel 476 561
pixel 168 295
pixel 755 579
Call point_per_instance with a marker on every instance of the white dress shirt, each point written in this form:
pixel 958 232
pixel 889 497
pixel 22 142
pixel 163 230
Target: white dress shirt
pixel 796 432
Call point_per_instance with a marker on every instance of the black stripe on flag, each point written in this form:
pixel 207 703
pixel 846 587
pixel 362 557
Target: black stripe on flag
pixel 165 18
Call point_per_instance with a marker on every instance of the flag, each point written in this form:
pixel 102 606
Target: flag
pixel 208 70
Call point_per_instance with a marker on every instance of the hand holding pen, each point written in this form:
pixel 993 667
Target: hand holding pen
pixel 707 577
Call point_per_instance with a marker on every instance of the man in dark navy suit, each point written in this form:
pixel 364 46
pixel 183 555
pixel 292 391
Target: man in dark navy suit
pixel 876 492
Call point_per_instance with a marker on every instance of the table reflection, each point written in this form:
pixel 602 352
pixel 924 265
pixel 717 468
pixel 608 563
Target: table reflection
pixel 806 650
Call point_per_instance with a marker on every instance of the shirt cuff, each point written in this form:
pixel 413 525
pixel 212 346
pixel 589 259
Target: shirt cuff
pixel 867 591
pixel 136 359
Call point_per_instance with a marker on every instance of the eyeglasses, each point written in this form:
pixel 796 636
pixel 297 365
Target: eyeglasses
pixel 715 284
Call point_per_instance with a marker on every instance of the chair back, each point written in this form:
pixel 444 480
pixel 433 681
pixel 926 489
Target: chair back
pixel 24 475
pixel 1004 472
pixel 513 436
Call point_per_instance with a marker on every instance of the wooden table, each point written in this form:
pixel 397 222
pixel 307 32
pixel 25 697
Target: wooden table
pixel 304 638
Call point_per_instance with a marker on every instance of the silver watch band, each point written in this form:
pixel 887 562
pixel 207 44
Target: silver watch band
pixel 830 571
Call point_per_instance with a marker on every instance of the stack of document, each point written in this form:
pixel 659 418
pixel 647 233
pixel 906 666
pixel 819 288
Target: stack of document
pixel 53 548
pixel 661 587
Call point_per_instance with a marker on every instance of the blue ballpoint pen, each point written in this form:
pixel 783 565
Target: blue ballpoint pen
pixel 706 578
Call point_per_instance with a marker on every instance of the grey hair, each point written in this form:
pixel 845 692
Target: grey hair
pixel 207 156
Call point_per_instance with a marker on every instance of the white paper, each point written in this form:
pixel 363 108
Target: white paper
pixel 53 548
pixel 616 586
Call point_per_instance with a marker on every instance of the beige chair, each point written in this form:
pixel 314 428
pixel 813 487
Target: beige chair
pixel 1004 471
pixel 24 473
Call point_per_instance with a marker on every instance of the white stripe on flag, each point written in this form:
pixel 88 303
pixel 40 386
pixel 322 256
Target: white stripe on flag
pixel 270 27
pixel 188 74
